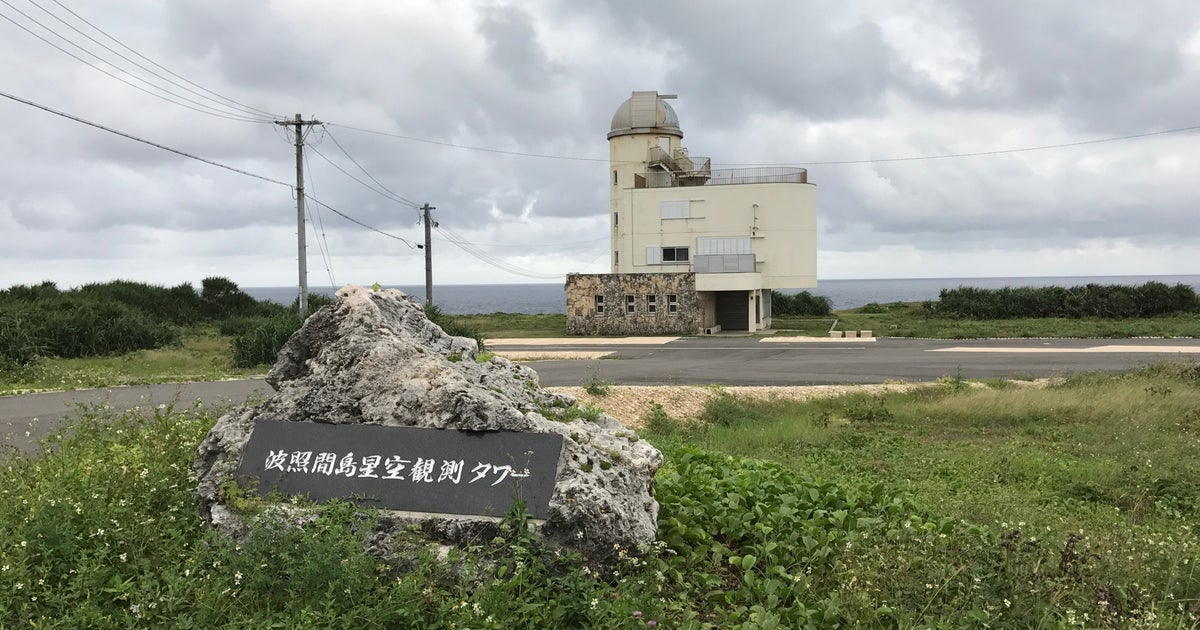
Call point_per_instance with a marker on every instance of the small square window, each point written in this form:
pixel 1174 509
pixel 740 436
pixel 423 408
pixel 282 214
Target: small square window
pixel 599 303
pixel 651 303
pixel 630 304
pixel 672 305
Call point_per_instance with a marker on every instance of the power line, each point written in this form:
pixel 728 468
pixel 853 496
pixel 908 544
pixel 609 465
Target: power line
pixel 535 245
pixel 204 109
pixel 995 152
pixel 387 195
pixel 322 242
pixel 492 260
pixel 351 219
pixel 819 163
pixel 142 140
pixel 372 177
pixel 470 148
pixel 164 68
pixel 240 109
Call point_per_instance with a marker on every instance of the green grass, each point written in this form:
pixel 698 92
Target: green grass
pixel 507 325
pixel 910 319
pixel 957 506
pixel 1090 488
pixel 203 355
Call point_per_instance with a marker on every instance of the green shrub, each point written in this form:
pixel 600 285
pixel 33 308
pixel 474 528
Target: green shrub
pixel 178 305
pixel 30 293
pixel 221 298
pixel 451 326
pixel 261 340
pixel 802 303
pixel 1091 300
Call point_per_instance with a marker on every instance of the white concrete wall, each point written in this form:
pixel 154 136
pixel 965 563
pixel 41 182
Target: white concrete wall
pixel 780 219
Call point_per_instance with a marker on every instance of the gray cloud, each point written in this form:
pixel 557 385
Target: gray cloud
pixel 764 82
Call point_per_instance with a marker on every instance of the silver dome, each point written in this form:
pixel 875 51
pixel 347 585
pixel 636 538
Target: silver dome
pixel 645 113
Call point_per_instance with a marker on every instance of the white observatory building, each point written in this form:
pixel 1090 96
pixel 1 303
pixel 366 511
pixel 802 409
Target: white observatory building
pixel 694 249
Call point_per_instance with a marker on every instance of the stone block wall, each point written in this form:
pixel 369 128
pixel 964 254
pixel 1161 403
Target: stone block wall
pixel 584 319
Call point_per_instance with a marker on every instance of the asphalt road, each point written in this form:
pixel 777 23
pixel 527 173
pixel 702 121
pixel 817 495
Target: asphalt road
pixel 723 360
pixel 748 361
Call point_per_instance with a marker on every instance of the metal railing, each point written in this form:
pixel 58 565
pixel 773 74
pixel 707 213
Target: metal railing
pixel 701 175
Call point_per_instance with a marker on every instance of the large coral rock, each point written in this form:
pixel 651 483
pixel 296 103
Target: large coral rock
pixel 374 358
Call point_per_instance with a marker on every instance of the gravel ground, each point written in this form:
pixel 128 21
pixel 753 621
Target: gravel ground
pixel 631 403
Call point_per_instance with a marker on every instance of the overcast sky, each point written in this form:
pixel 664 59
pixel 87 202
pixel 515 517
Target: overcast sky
pixel 787 82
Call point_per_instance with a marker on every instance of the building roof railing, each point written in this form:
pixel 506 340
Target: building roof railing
pixel 700 174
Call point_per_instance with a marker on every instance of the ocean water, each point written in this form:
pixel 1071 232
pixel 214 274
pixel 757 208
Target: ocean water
pixel 462 299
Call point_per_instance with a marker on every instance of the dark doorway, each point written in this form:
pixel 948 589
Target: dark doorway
pixel 732 309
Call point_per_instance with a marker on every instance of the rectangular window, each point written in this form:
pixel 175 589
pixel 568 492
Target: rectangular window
pixel 666 255
pixel 614 178
pixel 616 257
pixel 674 254
pixel 651 303
pixel 672 305
pixel 599 303
pixel 630 304
pixel 616 219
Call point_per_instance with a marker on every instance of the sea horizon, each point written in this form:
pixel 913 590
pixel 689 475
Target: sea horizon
pixel 844 293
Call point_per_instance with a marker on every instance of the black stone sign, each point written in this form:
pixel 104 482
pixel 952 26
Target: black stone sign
pixel 404 468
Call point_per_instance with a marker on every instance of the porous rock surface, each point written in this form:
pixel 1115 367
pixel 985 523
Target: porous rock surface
pixel 374 358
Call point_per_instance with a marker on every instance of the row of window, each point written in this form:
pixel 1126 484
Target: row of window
pixel 651 303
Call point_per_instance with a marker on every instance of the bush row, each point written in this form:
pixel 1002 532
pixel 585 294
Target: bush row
pixel 1091 300
pixel 113 317
pixel 802 303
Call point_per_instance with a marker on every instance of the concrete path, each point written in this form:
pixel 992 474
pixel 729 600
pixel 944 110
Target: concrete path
pixel 26 419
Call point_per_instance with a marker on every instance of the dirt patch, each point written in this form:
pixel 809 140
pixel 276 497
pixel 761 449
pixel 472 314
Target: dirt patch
pixel 631 403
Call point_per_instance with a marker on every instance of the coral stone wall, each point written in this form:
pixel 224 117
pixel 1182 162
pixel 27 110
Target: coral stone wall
pixel 583 318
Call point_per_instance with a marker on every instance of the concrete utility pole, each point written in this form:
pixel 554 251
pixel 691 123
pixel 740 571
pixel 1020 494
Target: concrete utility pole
pixel 429 224
pixel 299 123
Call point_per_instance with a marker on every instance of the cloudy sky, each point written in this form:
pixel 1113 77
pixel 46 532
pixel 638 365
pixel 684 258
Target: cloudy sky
pixel 496 113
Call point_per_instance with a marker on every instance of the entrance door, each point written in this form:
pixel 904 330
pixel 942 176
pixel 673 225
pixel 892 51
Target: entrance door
pixel 732 310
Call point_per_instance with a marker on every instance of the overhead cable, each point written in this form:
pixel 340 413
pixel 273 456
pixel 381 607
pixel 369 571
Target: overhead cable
pixel 322 242
pixel 492 260
pixel 796 163
pixel 164 68
pixel 372 177
pixel 387 195
pixel 351 219
pixel 196 105
pixel 535 245
pixel 240 109
pixel 143 140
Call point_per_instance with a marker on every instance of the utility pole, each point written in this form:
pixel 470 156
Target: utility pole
pixel 299 123
pixel 429 224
